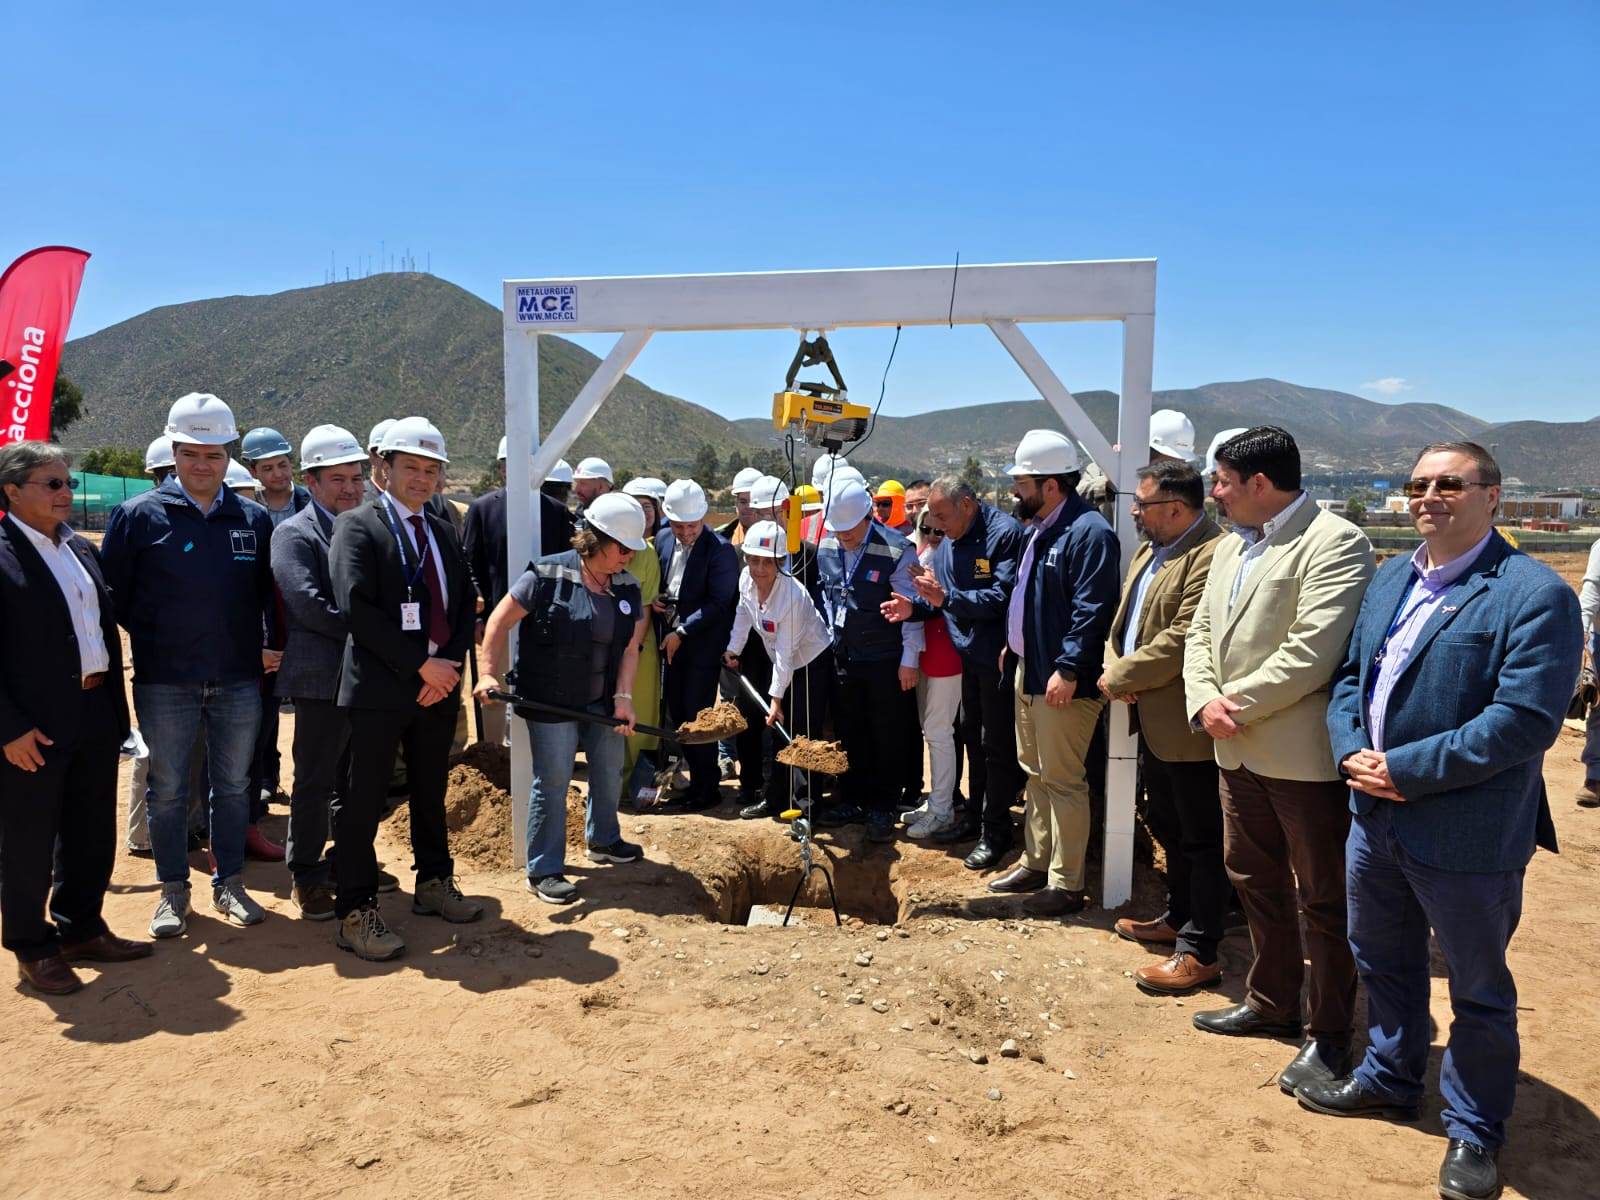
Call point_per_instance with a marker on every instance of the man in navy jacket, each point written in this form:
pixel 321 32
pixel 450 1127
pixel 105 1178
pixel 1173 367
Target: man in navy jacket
pixel 1457 677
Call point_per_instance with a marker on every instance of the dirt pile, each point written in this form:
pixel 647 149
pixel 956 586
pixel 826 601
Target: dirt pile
pixel 713 724
pixel 825 757
pixel 477 809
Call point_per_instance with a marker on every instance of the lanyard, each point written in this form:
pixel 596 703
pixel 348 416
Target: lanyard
pixel 400 538
pixel 1419 595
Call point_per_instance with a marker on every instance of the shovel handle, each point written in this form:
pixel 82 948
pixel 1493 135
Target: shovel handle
pixel 762 703
pixel 581 714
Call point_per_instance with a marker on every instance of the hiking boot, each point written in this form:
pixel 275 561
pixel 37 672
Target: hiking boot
pixel 172 911
pixel 364 934
pixel 553 889
pixel 618 852
pixel 442 898
pixel 387 882
pixel 231 900
pixel 315 901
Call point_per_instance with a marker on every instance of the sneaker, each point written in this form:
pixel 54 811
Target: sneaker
pixel 618 852
pixel 231 900
pixel 912 815
pixel 442 898
pixel 172 911
pixel 553 889
pixel 314 901
pixel 930 824
pixel 365 935
pixel 727 768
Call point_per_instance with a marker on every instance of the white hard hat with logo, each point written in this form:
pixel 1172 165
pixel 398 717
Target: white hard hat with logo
pixel 1044 452
pixel 685 501
pixel 200 419
pixel 594 468
pixel 619 517
pixel 158 454
pixel 765 539
pixel 847 507
pixel 329 446
pixel 560 473
pixel 239 477
pixel 745 480
pixel 1227 435
pixel 768 492
pixel 414 435
pixel 375 438
pixel 1172 434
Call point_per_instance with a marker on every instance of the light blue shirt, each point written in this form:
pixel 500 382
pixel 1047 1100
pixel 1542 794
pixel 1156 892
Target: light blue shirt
pixel 1255 541
pixel 1162 552
pixel 205 509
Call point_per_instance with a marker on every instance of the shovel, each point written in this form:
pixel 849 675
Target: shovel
pixel 581 714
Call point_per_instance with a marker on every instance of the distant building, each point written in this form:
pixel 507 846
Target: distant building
pixel 1555 506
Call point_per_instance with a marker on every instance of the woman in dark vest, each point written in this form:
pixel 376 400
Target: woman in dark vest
pixel 582 624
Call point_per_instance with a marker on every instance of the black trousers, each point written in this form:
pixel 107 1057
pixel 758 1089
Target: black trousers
pixel 73 798
pixel 989 732
pixel 266 770
pixel 689 685
pixel 375 736
pixel 1184 812
pixel 805 714
pixel 321 772
pixel 756 745
pixel 870 716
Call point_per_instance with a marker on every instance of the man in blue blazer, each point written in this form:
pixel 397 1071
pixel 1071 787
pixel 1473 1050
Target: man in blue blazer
pixel 1457 677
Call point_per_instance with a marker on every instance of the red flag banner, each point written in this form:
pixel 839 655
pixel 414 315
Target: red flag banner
pixel 37 295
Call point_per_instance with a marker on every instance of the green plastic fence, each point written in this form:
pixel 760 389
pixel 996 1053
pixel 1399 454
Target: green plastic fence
pixel 97 495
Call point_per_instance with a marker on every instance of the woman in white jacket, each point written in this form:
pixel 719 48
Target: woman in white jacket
pixel 775 607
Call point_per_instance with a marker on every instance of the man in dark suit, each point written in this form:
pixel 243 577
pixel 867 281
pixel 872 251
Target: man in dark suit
pixel 63 715
pixel 699 586
pixel 401 581
pixel 1456 680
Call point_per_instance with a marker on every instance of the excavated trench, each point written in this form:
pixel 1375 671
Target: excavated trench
pixel 763 874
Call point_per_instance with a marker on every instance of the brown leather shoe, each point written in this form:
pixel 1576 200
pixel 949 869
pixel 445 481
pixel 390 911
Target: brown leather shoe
pixel 1180 974
pixel 1148 933
pixel 107 948
pixel 1053 902
pixel 315 901
pixel 50 975
pixel 1018 879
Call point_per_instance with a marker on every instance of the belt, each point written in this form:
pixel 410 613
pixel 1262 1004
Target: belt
pixel 90 682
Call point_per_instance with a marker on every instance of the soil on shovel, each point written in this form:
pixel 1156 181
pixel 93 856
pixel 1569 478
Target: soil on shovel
pixel 827 758
pixel 721 720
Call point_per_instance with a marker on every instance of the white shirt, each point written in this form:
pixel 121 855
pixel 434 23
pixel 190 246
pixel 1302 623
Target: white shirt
pixel 1589 596
pixel 789 625
pixel 435 559
pixel 680 562
pixel 78 590
pixel 1256 545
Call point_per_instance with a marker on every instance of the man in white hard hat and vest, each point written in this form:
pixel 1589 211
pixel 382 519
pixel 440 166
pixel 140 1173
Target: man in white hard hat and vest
pixel 401 581
pixel 1057 620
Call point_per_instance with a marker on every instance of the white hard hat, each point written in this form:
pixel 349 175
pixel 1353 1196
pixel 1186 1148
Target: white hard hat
pixel 638 487
pixel 500 451
pixel 330 446
pixel 375 438
pixel 414 435
pixel 828 467
pixel 765 539
pixel 685 501
pixel 1044 452
pixel 619 517
pixel 1227 435
pixel 847 507
pixel 768 492
pixel 200 419
pixel 594 468
pixel 158 454
pixel 745 480
pixel 1172 433
pixel 238 476
pixel 844 475
pixel 560 473
pixel 658 487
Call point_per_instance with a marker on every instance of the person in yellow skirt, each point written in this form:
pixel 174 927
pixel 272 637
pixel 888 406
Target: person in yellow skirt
pixel 646 568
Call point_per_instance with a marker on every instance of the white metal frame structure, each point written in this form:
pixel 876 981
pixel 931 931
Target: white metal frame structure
pixel 997 295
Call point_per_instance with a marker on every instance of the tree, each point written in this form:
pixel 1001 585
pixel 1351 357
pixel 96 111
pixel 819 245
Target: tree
pixel 1355 508
pixel 66 406
pixel 622 476
pixel 487 482
pixel 972 474
pixel 124 461
pixel 736 463
pixel 705 466
pixel 770 462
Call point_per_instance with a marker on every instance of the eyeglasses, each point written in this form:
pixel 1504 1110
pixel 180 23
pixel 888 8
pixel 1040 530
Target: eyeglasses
pixel 55 483
pixel 1449 486
pixel 883 504
pixel 1141 505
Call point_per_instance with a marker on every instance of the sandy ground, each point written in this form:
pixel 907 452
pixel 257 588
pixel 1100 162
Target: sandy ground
pixel 632 1045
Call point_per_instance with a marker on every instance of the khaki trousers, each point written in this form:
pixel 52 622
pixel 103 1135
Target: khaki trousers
pixel 1051 746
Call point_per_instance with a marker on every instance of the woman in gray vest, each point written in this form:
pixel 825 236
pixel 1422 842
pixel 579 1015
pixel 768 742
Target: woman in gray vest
pixel 582 624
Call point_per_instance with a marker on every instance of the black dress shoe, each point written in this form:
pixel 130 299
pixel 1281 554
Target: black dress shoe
pixel 1321 1060
pixel 695 801
pixel 1347 1098
pixel 756 808
pixel 1053 902
pixel 1469 1172
pixel 1017 880
pixel 985 855
pixel 1243 1021
pixel 836 815
pixel 967 828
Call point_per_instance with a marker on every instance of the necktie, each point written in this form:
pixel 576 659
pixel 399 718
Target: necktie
pixel 438 623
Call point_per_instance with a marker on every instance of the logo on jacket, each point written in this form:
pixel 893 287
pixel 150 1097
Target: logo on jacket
pixel 981 568
pixel 244 543
pixel 874 576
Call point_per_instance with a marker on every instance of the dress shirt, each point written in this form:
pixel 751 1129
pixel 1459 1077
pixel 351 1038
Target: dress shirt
pixel 1160 553
pixel 78 590
pixel 435 559
pixel 1427 594
pixel 787 623
pixel 1255 541
pixel 1589 596
pixel 1025 569
pixel 205 509
pixel 680 563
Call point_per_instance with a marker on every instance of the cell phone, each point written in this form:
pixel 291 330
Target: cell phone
pixel 917 570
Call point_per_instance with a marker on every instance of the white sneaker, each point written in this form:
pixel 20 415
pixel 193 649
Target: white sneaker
pixel 929 824
pixel 172 911
pixel 231 900
pixel 914 815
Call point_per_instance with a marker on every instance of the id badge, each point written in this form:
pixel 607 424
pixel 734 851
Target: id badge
pixel 839 615
pixel 411 617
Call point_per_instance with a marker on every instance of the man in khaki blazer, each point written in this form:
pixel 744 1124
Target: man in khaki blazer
pixel 1144 668
pixel 1269 634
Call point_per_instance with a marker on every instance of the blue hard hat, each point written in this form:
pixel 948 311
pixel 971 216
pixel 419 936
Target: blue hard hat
pixel 263 443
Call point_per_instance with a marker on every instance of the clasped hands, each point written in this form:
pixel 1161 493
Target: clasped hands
pixel 439 679
pixel 1369 773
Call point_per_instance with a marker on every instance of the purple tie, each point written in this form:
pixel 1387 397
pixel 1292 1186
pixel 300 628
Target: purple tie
pixel 438 624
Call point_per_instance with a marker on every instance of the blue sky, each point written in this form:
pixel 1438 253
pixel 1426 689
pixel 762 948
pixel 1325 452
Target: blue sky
pixel 1339 195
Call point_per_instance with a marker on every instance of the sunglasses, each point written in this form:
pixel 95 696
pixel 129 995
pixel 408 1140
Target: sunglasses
pixel 55 484
pixel 883 504
pixel 928 531
pixel 1449 486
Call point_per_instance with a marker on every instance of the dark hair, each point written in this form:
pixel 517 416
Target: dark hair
pixel 21 459
pixel 1068 483
pixel 1177 480
pixel 1481 458
pixel 1264 450
pixel 916 483
pixel 589 541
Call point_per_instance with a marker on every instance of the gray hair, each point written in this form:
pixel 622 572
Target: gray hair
pixel 21 459
pixel 953 487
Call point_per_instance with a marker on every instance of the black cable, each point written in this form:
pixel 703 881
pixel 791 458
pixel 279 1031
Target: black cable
pixel 882 386
pixel 950 318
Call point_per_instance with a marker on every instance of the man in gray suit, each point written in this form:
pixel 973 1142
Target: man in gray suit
pixel 332 460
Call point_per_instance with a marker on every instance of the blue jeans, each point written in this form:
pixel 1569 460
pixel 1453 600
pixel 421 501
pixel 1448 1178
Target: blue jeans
pixel 555 751
pixel 170 717
pixel 1394 899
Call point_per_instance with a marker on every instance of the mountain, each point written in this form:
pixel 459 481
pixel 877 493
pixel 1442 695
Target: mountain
pixel 353 353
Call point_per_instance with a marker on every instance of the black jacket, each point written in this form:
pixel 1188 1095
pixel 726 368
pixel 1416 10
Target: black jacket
pixel 1071 598
pixel 708 594
pixel 977 571
pixel 40 680
pixel 369 585
pixel 484 541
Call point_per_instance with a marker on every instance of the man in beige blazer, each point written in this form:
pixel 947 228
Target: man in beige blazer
pixel 1270 632
pixel 1144 668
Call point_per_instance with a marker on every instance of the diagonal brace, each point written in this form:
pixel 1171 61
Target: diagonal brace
pixel 1055 394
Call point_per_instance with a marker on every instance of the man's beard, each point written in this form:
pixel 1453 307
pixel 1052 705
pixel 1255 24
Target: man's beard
pixel 1027 507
